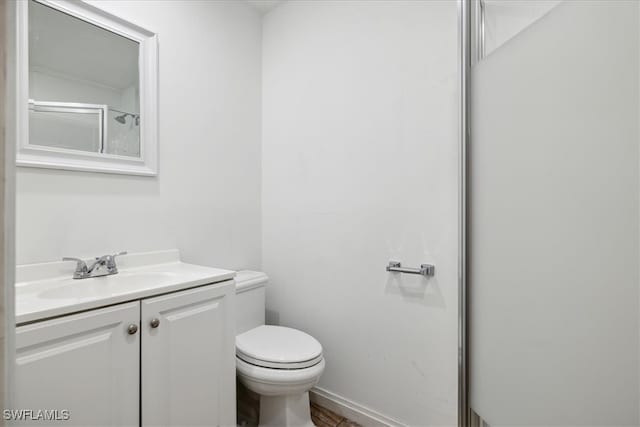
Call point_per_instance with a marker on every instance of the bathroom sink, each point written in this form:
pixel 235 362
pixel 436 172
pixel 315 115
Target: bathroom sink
pixel 120 283
pixel 49 289
pixel 147 275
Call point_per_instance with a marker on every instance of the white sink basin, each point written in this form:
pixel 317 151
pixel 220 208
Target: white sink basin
pixel 145 275
pixel 120 283
pixel 44 293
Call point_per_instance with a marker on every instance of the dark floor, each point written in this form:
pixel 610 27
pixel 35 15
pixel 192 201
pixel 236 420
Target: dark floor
pixel 322 417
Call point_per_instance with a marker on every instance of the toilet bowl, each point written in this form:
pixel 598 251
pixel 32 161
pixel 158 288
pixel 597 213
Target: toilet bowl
pixel 280 364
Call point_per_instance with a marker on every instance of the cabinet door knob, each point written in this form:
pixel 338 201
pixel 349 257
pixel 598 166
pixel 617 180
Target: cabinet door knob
pixel 132 329
pixel 155 322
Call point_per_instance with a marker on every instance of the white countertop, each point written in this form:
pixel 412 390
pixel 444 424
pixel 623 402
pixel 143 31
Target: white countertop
pixel 48 289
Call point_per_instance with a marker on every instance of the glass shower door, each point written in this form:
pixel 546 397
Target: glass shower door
pixel 64 125
pixel 553 273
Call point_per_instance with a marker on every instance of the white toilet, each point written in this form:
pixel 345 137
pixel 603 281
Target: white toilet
pixel 280 364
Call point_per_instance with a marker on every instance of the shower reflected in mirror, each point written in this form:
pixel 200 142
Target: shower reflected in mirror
pixel 122 133
pixel 122 119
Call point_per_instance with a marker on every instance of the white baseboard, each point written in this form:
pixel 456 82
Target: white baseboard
pixel 362 415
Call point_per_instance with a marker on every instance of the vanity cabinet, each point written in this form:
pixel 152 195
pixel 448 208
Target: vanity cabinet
pixel 188 358
pixel 161 361
pixel 85 363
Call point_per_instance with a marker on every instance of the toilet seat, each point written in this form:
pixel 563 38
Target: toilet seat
pixel 278 347
pixel 278 382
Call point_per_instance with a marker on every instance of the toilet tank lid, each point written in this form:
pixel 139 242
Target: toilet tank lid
pixel 247 280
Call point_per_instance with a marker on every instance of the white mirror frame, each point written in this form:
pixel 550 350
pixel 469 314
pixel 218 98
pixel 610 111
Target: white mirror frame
pixel 51 157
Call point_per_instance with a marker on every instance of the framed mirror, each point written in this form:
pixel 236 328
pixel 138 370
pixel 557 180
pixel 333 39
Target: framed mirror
pixel 87 86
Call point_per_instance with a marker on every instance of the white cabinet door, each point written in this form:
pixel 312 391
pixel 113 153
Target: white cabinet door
pixel 87 363
pixel 188 358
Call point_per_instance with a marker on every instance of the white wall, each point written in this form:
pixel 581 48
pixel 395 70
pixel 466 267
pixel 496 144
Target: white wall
pixel 360 163
pixel 206 199
pixel 504 19
pixel 554 221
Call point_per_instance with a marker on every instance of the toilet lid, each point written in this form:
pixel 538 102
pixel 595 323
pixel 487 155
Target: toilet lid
pixel 278 347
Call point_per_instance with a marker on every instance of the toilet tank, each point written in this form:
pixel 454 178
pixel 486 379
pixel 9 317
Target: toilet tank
pixel 250 300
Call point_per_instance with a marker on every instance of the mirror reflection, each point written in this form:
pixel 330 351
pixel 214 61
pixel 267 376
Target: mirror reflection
pixel 83 86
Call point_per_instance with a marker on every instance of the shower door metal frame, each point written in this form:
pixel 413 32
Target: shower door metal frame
pixel 72 108
pixel 465 60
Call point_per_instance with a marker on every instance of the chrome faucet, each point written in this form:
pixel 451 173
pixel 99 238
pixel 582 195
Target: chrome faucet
pixel 96 269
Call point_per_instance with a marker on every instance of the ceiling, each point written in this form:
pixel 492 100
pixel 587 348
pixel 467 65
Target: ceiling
pixel 264 6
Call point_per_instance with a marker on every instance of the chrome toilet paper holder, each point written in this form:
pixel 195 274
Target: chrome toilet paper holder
pixel 427 270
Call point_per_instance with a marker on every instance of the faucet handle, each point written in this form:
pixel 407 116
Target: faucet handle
pixel 70 258
pixel 81 266
pixel 111 260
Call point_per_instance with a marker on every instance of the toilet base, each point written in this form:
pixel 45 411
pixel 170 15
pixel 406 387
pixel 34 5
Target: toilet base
pixel 285 411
